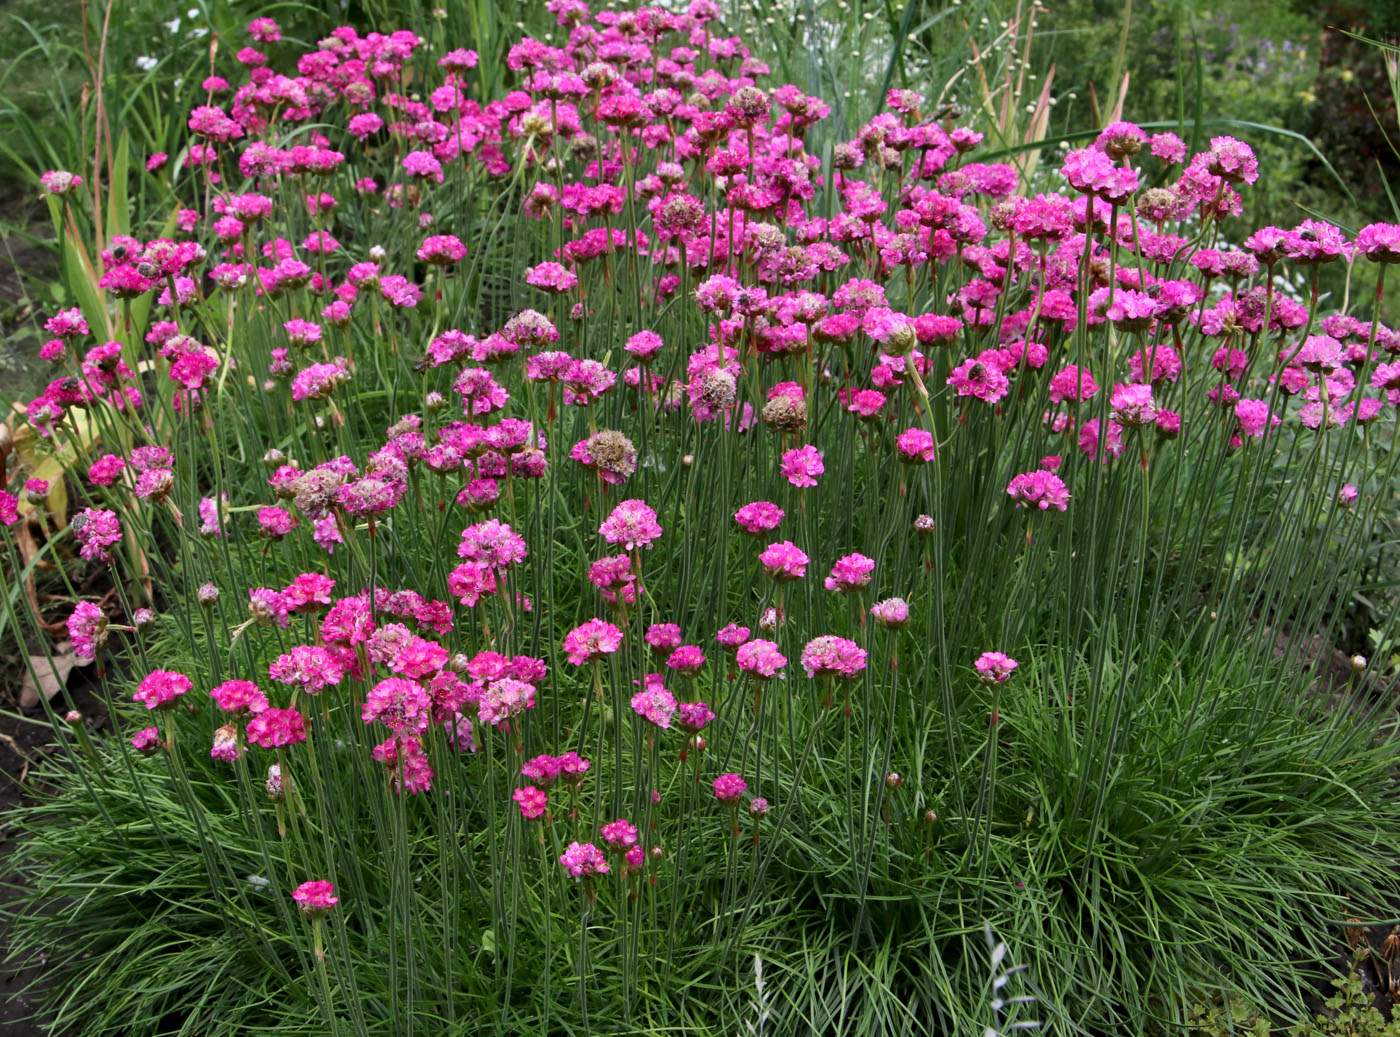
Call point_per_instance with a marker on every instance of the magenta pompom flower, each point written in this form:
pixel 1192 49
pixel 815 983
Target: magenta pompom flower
pixel 532 802
pixel 87 630
pixel 1039 489
pixel 273 728
pixel 729 787
pixel 161 689
pixel 759 517
pixel 584 860
pixel 237 696
pixel 802 466
pixel 994 667
pixel 850 574
pixel 654 703
pixel 620 834
pixel 315 898
pixel 760 659
pixel 96 530
pixel 146 741
pixel 632 524
pixel 784 561
pixel 591 640
pixel 915 446
pixel 892 613
pixel 832 656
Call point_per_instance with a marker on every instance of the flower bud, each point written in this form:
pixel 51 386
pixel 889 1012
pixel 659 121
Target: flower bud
pixel 208 595
pixel 143 619
pixel 893 780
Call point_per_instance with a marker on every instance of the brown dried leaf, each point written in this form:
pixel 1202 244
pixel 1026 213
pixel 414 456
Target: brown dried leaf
pixel 52 678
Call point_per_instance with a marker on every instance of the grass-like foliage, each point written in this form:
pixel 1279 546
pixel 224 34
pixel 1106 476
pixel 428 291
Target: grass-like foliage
pixel 476 668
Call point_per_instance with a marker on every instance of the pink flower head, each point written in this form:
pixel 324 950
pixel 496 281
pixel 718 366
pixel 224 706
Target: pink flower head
pixel 1254 418
pixel 732 636
pixel 759 517
pixel 1039 489
pixel 1073 383
pixel 802 465
pixel 784 561
pixel 632 524
pixel 729 787
pixel 161 689
pixel 146 741
pixel 832 656
pixel 226 747
pixel 492 543
pixel 620 834
pixel 543 770
pixel 399 704
pixel 1379 242
pixel 692 717
pixel 892 613
pixel 572 767
pixel 994 667
pixel 654 703
pixel 850 573
pixel 980 377
pixel 308 667
pixel 687 660
pixel 915 446
pixel 760 659
pixel 504 699
pixel 315 898
pixel 644 345
pixel 96 530
pixel 663 637
pixel 584 860
pixel 532 801
pixel 87 629
pixel 239 697
pixel 592 640
pixel 1132 405
pixel 276 727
